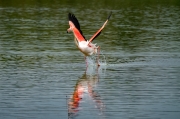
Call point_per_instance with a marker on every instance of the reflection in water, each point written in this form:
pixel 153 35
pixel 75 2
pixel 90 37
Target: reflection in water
pixel 84 89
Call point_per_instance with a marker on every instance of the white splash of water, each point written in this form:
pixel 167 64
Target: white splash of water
pixel 95 59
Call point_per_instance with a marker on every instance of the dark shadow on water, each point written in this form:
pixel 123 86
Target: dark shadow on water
pixel 84 92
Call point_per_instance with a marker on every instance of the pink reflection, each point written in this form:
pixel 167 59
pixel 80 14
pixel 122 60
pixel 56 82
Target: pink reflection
pixel 85 85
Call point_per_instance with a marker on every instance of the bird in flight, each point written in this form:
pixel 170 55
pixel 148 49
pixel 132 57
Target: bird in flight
pixel 84 45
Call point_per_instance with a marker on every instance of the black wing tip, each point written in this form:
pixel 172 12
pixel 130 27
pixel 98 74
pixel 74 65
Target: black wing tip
pixel 71 16
pixel 109 15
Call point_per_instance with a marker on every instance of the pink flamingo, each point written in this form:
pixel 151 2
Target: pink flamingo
pixel 85 46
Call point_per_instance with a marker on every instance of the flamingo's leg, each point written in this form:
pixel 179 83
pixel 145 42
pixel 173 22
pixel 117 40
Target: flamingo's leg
pixel 86 61
pixel 98 53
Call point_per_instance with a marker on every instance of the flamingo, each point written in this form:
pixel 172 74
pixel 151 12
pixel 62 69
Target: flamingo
pixel 84 45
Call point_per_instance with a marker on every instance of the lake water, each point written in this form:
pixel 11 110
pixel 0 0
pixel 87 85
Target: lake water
pixel 44 76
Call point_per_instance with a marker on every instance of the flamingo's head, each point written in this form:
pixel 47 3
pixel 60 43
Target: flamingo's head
pixel 70 29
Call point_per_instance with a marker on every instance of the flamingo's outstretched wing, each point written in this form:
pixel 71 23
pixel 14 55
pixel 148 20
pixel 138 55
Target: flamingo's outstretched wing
pixel 99 31
pixel 75 27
